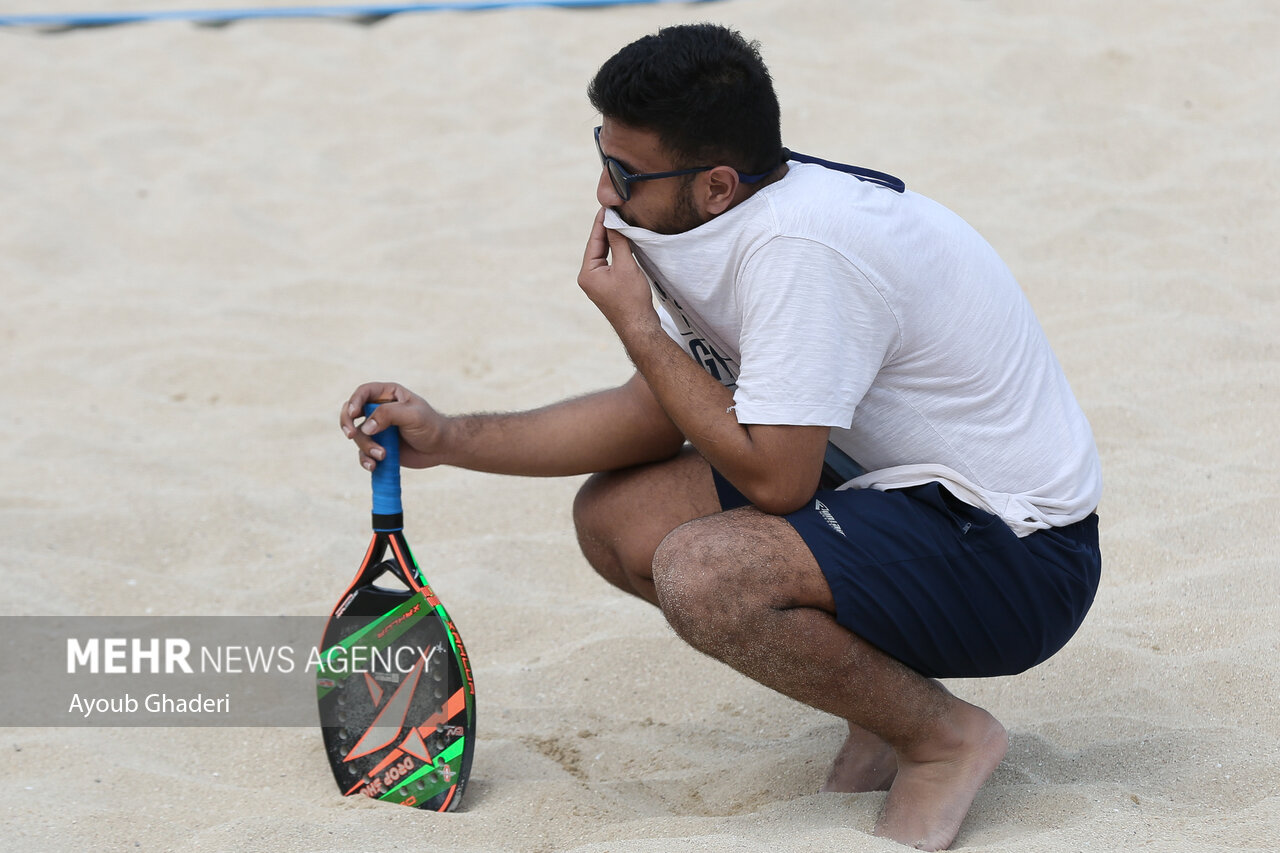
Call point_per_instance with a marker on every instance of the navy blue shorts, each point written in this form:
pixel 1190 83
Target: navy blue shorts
pixel 946 588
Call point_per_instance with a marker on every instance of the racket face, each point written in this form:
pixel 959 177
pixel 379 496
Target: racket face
pixel 397 704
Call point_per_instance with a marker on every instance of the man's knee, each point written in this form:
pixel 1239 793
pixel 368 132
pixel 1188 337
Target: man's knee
pixel 696 586
pixel 585 504
pixel 621 516
pixel 716 577
pixel 594 523
pixel 610 535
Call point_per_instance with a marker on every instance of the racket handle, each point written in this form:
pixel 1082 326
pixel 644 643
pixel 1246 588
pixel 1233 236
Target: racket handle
pixel 388 512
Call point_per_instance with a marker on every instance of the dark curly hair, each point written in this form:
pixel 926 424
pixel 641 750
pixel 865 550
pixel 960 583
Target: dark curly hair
pixel 703 89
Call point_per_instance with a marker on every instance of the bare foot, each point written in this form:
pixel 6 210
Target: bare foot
pixel 936 785
pixel 864 763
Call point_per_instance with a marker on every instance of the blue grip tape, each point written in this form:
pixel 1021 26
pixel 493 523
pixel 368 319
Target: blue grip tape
pixel 386 477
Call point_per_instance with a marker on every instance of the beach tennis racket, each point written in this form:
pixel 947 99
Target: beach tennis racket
pixel 396 697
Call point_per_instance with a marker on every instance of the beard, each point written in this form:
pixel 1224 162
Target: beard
pixel 684 217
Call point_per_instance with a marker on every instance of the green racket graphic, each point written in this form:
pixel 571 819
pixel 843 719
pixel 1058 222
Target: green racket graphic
pixel 396 696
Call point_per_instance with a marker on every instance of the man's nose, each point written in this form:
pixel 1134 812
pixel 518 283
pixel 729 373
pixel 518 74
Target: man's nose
pixel 606 195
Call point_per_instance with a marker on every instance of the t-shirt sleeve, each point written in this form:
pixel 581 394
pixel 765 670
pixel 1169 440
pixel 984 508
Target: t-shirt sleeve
pixel 815 332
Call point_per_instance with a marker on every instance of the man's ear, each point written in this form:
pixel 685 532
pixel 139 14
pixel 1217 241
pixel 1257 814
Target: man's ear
pixel 721 189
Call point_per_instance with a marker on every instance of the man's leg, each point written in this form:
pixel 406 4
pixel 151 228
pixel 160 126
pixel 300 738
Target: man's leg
pixel 622 517
pixel 743 587
pixel 864 763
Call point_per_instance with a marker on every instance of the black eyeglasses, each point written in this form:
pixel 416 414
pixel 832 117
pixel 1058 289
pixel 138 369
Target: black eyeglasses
pixel 622 179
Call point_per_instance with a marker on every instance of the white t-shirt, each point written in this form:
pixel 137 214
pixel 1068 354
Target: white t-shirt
pixel 828 301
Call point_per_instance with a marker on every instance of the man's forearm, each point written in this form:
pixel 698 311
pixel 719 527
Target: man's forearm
pixel 699 406
pixel 615 428
pixel 776 467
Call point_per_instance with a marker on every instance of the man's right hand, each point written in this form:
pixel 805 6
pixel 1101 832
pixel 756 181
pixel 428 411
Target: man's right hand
pixel 422 428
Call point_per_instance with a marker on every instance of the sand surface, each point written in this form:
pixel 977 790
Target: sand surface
pixel 208 237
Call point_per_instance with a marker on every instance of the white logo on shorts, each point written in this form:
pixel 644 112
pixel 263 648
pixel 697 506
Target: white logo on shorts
pixel 828 517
